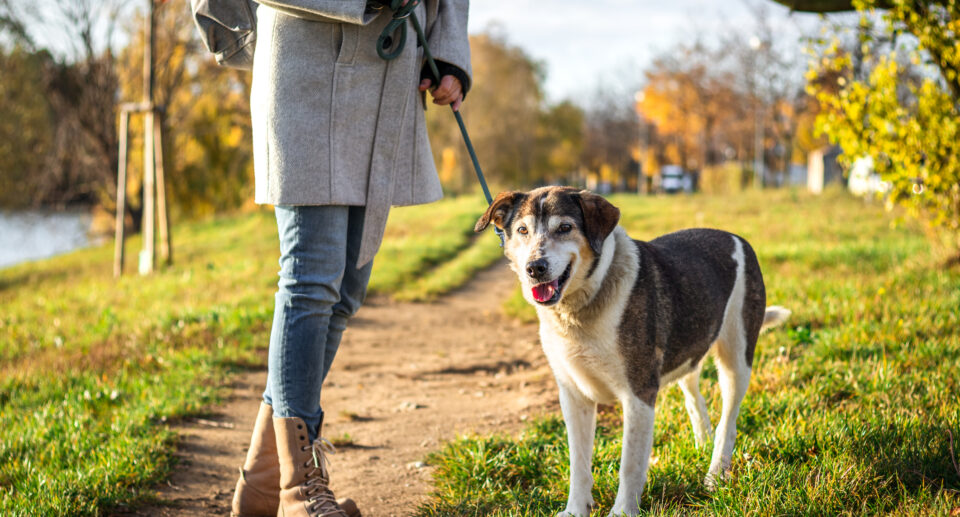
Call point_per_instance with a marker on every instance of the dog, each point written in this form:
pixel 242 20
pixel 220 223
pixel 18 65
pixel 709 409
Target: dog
pixel 621 318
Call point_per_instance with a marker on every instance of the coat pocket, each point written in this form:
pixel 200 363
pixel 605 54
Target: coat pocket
pixel 349 40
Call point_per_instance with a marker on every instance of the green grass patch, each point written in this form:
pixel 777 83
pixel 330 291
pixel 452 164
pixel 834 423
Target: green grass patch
pixel 92 369
pixel 851 405
pixel 483 252
pixel 421 238
pixel 517 307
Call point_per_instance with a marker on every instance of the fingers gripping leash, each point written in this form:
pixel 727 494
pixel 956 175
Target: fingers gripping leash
pixel 390 44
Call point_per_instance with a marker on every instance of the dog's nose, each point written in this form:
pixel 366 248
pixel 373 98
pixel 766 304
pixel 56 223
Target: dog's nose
pixel 537 268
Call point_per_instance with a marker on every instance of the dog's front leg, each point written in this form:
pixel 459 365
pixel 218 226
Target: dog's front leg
pixel 635 458
pixel 580 415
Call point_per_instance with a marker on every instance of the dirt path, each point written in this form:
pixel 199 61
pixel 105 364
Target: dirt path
pixel 407 377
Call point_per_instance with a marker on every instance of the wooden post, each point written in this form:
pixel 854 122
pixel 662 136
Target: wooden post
pixel 121 196
pixel 149 171
pixel 154 184
pixel 166 247
pixel 149 197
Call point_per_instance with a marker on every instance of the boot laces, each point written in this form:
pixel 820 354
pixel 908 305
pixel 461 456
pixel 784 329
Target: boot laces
pixel 324 503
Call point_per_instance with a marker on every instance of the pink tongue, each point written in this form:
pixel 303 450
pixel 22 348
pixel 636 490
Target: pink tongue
pixel 544 292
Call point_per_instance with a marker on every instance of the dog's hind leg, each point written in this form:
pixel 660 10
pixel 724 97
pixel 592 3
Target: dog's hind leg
pixel 733 371
pixel 635 456
pixel 696 407
pixel 580 416
pixel 734 376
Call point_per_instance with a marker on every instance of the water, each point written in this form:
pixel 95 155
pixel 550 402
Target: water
pixel 35 234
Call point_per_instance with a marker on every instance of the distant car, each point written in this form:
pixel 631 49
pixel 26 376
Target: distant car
pixel 671 179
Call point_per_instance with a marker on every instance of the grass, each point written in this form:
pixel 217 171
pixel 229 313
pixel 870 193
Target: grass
pixel 850 410
pixel 853 406
pixel 92 369
pixel 431 249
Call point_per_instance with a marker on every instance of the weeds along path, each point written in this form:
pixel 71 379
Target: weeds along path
pixel 408 376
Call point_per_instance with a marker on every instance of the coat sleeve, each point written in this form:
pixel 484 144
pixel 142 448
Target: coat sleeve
pixel 336 11
pixel 447 34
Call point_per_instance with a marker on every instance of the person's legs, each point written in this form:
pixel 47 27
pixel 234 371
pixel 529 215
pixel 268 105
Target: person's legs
pixel 319 289
pixel 353 288
pixel 313 248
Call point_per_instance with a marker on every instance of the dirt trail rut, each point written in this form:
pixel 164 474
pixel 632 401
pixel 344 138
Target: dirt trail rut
pixel 407 377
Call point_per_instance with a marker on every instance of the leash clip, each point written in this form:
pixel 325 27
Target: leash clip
pixel 499 234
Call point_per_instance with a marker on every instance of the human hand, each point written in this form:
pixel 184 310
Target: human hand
pixel 450 91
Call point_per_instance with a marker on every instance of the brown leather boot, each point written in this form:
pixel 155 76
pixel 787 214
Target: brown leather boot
pixel 304 480
pixel 258 489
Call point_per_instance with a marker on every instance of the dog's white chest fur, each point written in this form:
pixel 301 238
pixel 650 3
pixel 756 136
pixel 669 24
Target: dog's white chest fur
pixel 585 353
pixel 589 365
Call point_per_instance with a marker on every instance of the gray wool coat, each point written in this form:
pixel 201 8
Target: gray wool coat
pixel 333 123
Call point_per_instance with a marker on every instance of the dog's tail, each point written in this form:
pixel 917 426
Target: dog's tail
pixel 773 316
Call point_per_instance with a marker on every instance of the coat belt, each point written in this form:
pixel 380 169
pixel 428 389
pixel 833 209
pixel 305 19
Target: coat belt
pixel 398 81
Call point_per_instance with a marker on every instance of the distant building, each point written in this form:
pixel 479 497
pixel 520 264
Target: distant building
pixel 863 180
pixel 823 169
pixel 796 174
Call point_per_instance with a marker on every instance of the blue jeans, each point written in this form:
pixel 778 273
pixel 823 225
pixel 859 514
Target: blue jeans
pixel 320 287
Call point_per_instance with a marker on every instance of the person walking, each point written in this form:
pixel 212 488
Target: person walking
pixel 339 137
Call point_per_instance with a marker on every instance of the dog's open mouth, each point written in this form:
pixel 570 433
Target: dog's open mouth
pixel 548 293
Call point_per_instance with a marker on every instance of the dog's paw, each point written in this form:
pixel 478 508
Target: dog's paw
pixel 624 511
pixel 714 479
pixel 572 512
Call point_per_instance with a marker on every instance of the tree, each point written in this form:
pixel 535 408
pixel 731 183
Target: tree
pixel 559 143
pixel 520 140
pixel 26 124
pixel 710 102
pixel 932 22
pixel 79 86
pixel 206 123
pixel 611 133
pixel 886 107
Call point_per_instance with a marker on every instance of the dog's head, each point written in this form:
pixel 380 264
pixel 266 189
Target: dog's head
pixel 554 237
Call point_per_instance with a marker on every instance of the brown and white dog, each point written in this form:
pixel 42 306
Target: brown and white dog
pixel 621 318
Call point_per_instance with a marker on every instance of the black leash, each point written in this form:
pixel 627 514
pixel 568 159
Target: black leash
pixel 390 45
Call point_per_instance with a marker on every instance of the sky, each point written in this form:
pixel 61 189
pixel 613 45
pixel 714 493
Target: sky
pixel 587 43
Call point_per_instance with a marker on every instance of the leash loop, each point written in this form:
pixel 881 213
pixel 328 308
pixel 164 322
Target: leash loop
pixel 394 35
pixel 398 24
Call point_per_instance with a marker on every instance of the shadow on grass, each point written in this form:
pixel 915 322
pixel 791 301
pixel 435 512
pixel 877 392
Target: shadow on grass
pixel 33 277
pixel 918 455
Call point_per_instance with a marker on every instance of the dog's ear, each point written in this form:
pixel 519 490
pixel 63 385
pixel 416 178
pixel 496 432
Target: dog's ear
pixel 599 218
pixel 500 211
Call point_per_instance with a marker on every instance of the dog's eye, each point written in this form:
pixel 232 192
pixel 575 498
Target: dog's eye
pixel 522 230
pixel 565 227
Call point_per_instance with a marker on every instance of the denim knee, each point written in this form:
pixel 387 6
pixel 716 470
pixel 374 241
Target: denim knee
pixel 312 256
pixel 312 293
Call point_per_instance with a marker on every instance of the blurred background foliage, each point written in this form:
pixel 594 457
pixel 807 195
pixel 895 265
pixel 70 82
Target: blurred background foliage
pixel 884 86
pixel 889 89
pixel 69 103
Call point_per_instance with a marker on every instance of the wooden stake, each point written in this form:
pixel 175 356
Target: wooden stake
pixel 121 196
pixel 166 247
pixel 149 171
pixel 149 197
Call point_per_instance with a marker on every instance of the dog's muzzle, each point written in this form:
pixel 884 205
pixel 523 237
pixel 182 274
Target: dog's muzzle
pixel 538 269
pixel 549 292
